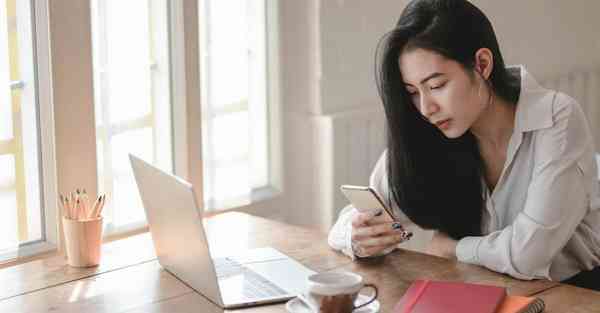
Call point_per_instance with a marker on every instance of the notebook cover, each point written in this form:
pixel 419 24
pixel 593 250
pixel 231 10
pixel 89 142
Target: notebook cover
pixel 518 304
pixel 426 296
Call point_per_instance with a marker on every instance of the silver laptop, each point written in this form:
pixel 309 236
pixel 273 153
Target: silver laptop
pixel 257 276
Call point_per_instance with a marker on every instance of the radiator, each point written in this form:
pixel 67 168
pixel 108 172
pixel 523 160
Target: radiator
pixel 351 145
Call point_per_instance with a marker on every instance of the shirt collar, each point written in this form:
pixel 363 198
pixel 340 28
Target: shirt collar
pixel 534 108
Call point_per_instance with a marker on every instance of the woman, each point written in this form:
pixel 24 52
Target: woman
pixel 502 169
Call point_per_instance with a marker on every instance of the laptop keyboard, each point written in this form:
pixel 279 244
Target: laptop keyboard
pixel 255 286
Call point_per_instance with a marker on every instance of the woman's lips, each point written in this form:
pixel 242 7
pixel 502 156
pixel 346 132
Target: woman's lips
pixel 443 125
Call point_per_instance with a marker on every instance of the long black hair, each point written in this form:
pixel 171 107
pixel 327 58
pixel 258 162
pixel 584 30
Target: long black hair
pixel 436 181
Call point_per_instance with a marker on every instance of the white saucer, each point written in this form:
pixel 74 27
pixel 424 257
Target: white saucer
pixel 297 306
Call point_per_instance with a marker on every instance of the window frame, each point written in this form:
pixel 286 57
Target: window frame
pixel 264 199
pixel 37 42
pixel 159 70
pixel 68 159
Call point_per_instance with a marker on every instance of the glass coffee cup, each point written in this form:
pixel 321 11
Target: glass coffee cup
pixel 335 292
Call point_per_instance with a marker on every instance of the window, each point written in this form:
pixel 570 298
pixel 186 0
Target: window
pixel 236 102
pixel 132 100
pixel 146 100
pixel 21 218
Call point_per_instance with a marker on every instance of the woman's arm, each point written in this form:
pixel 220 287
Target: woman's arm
pixel 442 245
pixel 557 201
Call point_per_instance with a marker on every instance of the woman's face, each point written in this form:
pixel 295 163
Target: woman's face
pixel 442 91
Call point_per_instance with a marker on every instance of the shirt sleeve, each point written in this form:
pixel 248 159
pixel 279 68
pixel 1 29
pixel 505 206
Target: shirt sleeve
pixel 557 201
pixel 340 235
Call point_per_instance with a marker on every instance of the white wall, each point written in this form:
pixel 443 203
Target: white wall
pixel 327 62
pixel 349 32
pixel 551 37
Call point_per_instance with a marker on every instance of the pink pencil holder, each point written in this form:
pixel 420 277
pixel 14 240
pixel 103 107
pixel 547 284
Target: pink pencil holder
pixel 83 241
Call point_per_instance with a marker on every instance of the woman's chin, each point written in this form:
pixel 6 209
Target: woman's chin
pixel 452 133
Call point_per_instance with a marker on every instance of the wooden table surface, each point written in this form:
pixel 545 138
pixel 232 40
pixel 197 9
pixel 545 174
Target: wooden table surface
pixel 130 279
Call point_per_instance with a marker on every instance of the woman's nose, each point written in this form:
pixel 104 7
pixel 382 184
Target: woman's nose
pixel 427 106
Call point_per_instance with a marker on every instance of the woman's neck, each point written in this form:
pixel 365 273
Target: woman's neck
pixel 496 124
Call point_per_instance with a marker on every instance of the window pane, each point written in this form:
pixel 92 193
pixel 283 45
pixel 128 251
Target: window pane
pixel 231 182
pixel 230 136
pixel 128 55
pixel 8 199
pixel 6 125
pixel 228 44
pixel 131 72
pixel 235 104
pixel 20 195
pixel 127 204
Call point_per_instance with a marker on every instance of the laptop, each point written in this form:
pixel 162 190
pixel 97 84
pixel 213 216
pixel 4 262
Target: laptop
pixel 257 276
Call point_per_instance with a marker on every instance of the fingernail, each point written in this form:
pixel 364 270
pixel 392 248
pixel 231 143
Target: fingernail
pixel 396 226
pixel 406 235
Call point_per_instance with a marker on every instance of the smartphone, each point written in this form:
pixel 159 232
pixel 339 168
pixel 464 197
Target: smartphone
pixel 365 199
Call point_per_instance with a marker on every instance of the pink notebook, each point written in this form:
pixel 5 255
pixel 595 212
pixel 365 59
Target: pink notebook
pixel 425 296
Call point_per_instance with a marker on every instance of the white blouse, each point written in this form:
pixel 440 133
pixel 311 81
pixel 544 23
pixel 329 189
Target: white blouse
pixel 542 220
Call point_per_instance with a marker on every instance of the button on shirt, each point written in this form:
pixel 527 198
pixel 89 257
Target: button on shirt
pixel 542 219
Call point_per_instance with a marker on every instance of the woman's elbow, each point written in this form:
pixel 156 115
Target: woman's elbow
pixel 526 266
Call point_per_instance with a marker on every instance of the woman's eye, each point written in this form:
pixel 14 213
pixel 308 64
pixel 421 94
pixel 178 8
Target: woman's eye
pixel 438 86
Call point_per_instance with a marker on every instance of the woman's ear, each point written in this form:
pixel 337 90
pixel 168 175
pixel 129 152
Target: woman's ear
pixel 484 62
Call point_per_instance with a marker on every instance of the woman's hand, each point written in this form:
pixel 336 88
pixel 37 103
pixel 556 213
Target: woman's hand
pixel 443 246
pixel 373 234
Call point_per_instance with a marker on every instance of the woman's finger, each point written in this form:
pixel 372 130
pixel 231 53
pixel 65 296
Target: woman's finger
pixel 388 240
pixel 361 219
pixel 378 219
pixel 372 231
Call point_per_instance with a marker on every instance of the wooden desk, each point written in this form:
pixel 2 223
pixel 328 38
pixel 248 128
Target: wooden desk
pixel 131 280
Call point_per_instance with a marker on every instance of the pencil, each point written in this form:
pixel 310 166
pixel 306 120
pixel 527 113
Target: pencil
pixel 94 211
pixel 85 202
pixel 62 203
pixel 68 208
pixel 78 208
pixel 71 205
pixel 102 201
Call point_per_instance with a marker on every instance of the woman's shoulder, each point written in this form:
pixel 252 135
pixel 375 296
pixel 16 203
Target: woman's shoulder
pixel 568 117
pixel 565 107
pixel 568 130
